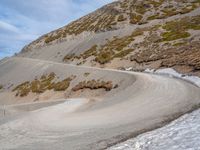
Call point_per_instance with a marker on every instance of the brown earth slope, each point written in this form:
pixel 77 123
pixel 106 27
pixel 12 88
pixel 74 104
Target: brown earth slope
pixel 140 34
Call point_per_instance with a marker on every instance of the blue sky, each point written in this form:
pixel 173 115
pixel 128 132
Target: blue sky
pixel 22 21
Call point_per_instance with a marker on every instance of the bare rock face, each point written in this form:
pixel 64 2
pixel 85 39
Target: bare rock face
pixel 136 33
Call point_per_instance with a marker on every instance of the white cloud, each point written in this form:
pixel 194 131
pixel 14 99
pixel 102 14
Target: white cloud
pixel 8 27
pixel 22 21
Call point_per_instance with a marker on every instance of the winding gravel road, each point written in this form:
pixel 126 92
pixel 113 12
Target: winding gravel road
pixel 150 101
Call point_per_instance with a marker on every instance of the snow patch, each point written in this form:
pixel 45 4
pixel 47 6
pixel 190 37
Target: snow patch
pixel 181 134
pixel 172 73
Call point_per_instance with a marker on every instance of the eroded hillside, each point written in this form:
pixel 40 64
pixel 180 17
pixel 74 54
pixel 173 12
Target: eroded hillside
pixel 140 34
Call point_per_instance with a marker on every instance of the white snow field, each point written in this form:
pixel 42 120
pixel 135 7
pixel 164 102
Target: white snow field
pixel 181 134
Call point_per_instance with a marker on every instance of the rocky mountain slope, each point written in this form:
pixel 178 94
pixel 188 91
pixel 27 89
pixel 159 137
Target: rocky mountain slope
pixel 141 34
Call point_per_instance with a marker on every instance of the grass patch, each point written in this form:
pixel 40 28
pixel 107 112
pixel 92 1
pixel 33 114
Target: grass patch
pixel 22 89
pixel 183 24
pixel 68 57
pixel 137 32
pixel 134 18
pixel 44 83
pixel 93 85
pixel 121 18
pixel 168 12
pixel 1 87
pixel 180 44
pixel 86 74
pixel 52 38
pixel 170 36
pixel 178 29
pixel 140 9
pixel 104 57
pixel 123 53
pixel 153 17
pixel 109 16
pixel 62 85
pixel 90 52
pixel 115 48
pixel 156 3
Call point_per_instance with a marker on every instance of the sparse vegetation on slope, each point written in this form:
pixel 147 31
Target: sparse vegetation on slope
pixel 183 55
pixel 134 18
pixel 151 45
pixel 90 52
pixel 179 29
pixel 86 74
pixel 46 82
pixel 62 85
pixel 115 48
pixel 49 82
pixel 93 84
pixel 154 38
pixel 1 86
pixel 121 18
pixel 127 11
pixel 69 57
pixel 170 36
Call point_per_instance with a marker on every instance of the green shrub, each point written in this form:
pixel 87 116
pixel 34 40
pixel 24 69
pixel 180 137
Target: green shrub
pixel 121 18
pixel 41 85
pixel 25 84
pixel 156 16
pixel 90 52
pixel 183 24
pixel 137 32
pixel 156 3
pixel 63 85
pixel 93 84
pixel 178 29
pixel 169 12
pixel 86 74
pixel 180 44
pixel 123 53
pixel 24 92
pixel 104 57
pixel 68 57
pixel 170 36
pixel 134 18
pixel 52 38
pixel 22 89
pixel 140 9
pixel 35 86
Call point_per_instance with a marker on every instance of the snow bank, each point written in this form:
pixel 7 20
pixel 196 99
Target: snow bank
pixel 181 134
pixel 172 73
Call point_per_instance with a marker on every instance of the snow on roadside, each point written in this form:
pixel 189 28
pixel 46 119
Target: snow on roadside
pixel 172 73
pixel 181 134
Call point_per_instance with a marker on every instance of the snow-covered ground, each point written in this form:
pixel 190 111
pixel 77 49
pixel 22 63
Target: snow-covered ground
pixel 173 73
pixel 181 134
